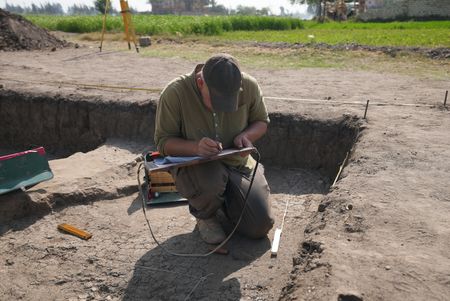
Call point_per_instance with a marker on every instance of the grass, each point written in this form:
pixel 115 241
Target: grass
pixel 372 37
pixel 430 34
pixel 167 24
pixel 379 25
pixel 194 43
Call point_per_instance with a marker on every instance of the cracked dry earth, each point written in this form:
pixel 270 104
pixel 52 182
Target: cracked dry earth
pixel 121 261
pixel 381 233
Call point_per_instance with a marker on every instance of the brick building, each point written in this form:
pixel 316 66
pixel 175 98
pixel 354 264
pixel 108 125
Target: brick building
pixel 179 7
pixel 396 9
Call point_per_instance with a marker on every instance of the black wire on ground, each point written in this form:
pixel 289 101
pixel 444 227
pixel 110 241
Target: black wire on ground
pixel 222 243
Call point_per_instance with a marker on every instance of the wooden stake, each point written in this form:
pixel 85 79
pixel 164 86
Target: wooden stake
pixel 107 4
pixel 367 106
pixel 445 100
pixel 340 170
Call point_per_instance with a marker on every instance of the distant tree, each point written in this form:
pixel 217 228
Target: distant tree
pixel 81 10
pixel 265 11
pixel 317 3
pixel 219 9
pixel 245 10
pixel 34 8
pixel 251 10
pixel 100 6
pixel 52 8
pixel 44 9
pixel 15 8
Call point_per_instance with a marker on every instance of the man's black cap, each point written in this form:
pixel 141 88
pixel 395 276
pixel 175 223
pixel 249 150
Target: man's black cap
pixel 223 78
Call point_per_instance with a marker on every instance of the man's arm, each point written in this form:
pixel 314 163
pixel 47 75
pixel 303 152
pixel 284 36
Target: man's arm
pixel 208 147
pixel 181 147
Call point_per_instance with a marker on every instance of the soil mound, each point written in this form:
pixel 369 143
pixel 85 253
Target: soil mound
pixel 17 33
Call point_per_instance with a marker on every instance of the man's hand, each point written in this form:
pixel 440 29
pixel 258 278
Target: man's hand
pixel 208 147
pixel 241 141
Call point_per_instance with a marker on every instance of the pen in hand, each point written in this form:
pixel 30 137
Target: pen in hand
pixel 208 147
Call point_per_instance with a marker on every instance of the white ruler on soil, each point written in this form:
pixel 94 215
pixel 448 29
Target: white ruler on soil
pixel 277 235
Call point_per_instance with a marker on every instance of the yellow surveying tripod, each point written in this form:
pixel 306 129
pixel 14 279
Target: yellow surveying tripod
pixel 127 24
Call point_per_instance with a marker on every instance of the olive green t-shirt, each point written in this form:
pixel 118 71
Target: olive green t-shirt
pixel 182 113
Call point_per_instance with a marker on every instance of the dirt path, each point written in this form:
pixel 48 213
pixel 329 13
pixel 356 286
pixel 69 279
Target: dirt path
pixel 392 245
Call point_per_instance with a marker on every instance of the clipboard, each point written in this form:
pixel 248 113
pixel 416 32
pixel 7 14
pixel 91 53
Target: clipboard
pixel 151 165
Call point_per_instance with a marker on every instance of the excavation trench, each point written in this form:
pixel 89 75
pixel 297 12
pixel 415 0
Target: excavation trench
pixel 65 125
pixel 93 144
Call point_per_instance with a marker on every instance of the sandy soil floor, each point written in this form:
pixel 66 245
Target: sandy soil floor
pixel 381 234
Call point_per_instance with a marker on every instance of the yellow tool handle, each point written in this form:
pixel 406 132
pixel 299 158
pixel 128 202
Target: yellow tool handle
pixel 72 230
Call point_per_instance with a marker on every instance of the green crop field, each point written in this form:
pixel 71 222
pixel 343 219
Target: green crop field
pixel 372 37
pixel 264 29
pixel 168 24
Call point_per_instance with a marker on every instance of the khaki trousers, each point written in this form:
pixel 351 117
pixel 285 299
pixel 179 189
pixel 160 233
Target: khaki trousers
pixel 213 185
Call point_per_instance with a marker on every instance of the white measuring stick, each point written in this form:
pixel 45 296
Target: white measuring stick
pixel 276 242
pixel 277 235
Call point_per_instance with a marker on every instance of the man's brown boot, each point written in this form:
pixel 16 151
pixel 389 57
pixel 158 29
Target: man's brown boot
pixel 210 230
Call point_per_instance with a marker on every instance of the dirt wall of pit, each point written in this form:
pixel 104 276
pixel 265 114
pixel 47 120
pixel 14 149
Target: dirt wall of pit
pixel 68 124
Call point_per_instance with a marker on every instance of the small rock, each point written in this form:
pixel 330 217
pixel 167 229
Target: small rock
pixel 350 296
pixel 76 45
pixel 104 288
pixel 91 260
pixel 9 262
pixel 145 41
pixel 53 49
pixel 94 289
pixel 1 86
pixel 322 207
pixel 108 298
pixel 61 281
pixel 82 296
pixel 388 267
